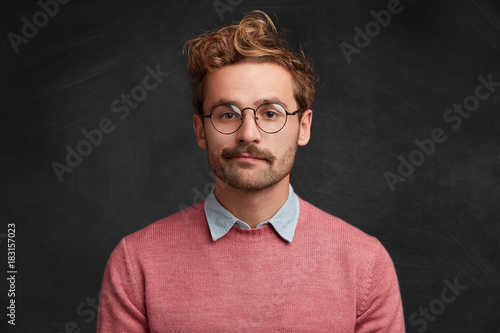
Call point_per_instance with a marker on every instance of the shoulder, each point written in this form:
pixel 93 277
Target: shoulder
pixel 338 236
pixel 172 229
pixel 321 221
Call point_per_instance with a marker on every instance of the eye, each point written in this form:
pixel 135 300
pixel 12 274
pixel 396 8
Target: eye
pixel 269 114
pixel 226 112
pixel 228 115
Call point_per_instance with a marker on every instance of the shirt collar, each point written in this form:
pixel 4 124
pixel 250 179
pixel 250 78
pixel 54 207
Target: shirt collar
pixel 220 220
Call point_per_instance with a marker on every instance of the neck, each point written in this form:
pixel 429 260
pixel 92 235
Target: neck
pixel 252 207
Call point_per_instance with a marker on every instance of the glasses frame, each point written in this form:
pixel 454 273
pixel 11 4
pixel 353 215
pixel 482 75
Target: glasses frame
pixel 254 117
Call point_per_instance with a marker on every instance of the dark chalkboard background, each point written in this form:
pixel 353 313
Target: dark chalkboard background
pixel 441 223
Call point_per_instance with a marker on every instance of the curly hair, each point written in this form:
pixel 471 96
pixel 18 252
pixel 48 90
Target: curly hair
pixel 255 38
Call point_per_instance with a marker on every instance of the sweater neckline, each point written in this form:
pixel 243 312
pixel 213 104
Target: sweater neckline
pixel 257 235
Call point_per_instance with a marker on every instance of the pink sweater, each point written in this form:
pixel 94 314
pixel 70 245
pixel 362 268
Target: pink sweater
pixel 171 277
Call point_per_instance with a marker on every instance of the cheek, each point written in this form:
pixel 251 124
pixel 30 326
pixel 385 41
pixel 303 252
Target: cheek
pixel 290 137
pixel 216 141
pixel 280 148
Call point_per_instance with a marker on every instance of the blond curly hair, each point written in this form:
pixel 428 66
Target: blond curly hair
pixel 255 38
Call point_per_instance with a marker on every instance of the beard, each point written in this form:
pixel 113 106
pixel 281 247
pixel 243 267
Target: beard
pixel 248 176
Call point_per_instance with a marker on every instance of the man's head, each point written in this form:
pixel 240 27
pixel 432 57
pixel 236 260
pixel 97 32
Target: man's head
pixel 255 38
pixel 244 76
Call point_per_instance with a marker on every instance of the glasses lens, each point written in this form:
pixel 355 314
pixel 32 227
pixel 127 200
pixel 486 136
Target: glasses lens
pixel 226 118
pixel 271 117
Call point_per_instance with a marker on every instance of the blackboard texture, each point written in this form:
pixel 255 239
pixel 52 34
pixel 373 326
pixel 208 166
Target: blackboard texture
pixel 97 142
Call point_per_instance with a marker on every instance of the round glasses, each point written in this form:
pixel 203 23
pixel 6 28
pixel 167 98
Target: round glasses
pixel 269 117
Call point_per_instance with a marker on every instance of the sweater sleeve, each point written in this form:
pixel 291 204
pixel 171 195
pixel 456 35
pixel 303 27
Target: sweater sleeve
pixel 380 308
pixel 121 302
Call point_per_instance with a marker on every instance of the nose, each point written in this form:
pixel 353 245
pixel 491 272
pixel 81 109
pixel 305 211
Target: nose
pixel 248 132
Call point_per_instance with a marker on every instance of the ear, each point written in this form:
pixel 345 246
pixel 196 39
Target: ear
pixel 199 130
pixel 305 127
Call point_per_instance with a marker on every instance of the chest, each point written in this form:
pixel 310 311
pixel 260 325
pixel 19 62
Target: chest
pixel 271 292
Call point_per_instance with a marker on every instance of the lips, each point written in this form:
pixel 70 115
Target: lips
pixel 251 157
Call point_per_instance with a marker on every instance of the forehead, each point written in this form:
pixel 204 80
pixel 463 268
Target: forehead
pixel 248 83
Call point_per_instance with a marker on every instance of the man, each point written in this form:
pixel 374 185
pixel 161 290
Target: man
pixel 252 256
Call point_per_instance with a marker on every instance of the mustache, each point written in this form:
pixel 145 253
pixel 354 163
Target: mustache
pixel 229 153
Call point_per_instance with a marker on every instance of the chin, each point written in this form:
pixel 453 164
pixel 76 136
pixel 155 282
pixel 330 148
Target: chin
pixel 254 182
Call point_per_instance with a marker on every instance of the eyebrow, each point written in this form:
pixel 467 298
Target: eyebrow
pixel 256 103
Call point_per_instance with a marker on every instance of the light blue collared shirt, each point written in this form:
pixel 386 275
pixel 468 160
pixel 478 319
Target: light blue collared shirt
pixel 220 220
